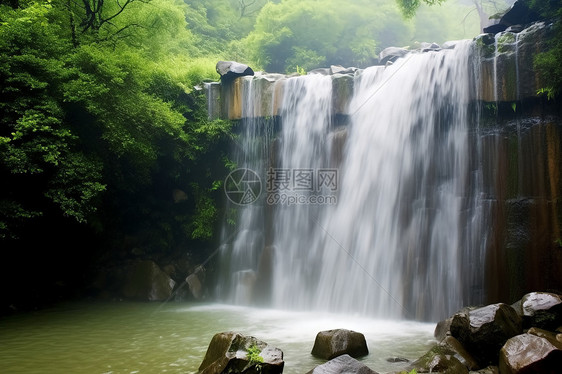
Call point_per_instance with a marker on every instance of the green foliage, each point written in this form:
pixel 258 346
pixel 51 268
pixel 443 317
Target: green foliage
pixel 409 7
pixel 300 70
pixel 254 355
pixel 318 33
pixel 547 63
pixel 98 109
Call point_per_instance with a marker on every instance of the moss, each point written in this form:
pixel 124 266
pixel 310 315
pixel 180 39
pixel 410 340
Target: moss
pixel 254 355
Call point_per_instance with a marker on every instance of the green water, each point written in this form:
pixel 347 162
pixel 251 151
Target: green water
pixel 172 338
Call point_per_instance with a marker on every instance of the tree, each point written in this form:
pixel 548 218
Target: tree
pixel 409 7
pixel 99 124
pixel 36 152
pixel 249 7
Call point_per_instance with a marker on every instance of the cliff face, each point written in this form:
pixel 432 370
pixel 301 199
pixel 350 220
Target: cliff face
pixel 515 146
pixel 506 63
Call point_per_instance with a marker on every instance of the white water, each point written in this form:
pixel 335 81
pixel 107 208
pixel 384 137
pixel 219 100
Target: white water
pixel 397 229
pixel 407 213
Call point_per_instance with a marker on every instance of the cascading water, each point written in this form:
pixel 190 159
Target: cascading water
pixel 303 153
pixel 407 216
pixel 406 205
pixel 240 255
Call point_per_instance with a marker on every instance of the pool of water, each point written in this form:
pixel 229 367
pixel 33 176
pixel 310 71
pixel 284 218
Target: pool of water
pixel 124 337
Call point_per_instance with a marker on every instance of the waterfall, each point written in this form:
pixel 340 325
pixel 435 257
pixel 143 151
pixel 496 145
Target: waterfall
pixel 391 228
pixel 242 249
pixel 393 244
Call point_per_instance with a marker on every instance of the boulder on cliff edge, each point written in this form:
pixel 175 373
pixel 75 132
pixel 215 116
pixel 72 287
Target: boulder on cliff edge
pixel 229 70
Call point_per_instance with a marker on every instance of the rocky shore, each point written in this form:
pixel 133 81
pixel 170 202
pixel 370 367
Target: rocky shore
pixel 522 338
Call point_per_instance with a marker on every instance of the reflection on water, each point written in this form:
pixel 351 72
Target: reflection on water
pixel 172 338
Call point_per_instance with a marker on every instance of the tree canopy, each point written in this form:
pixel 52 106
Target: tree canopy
pixel 100 124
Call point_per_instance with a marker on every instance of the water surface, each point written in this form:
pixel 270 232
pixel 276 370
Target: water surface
pixel 124 337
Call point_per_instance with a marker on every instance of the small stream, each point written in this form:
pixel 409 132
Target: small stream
pixel 125 337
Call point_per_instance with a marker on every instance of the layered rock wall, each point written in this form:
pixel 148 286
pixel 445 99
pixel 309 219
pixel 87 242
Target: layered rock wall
pixel 503 64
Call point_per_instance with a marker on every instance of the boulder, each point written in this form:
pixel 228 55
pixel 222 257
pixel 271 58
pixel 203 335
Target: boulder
pixel 229 70
pixel 391 54
pixel 442 329
pixel 483 331
pixel 542 310
pixel 427 47
pixel 195 282
pixel 518 14
pixel 338 69
pixel 332 343
pixel 231 352
pixel 527 353
pixel 439 359
pixel 397 359
pixel 494 29
pixel 554 338
pixel 460 353
pixel 446 364
pixel 343 364
pixel 144 280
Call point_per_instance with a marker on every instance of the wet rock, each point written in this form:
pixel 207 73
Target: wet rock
pixel 391 54
pixel 532 40
pixel 515 28
pixel 552 337
pixel 230 70
pixel 518 14
pixel 195 282
pixel 439 359
pixel 527 353
pixel 342 92
pixel 442 329
pixel 446 365
pixel 483 331
pixel 422 363
pixel 397 359
pixel 494 29
pixel 332 343
pixel 427 47
pixel 542 310
pixel 323 71
pixel 338 69
pixel 488 370
pixel 343 364
pixel 460 353
pixel 144 280
pixel 228 352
